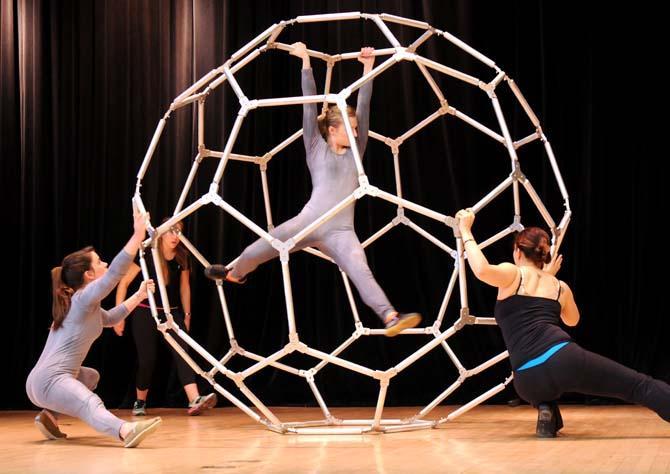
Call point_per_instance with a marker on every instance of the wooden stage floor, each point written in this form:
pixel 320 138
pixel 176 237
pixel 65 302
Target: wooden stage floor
pixel 487 439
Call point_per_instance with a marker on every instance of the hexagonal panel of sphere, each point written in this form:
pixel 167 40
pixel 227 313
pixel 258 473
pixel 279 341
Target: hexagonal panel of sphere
pixel 312 230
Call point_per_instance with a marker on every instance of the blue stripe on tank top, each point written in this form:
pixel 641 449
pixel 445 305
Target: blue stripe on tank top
pixel 544 357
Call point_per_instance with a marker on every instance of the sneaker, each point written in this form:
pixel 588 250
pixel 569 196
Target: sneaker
pixel 139 408
pixel 546 421
pixel 141 430
pixel 202 403
pixel 48 426
pixel 221 272
pixel 401 322
pixel 216 272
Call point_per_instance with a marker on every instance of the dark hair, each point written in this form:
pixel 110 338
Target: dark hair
pixel 181 254
pixel 534 243
pixel 332 117
pixel 67 279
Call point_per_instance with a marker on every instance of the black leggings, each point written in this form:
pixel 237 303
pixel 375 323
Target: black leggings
pixel 146 338
pixel 573 369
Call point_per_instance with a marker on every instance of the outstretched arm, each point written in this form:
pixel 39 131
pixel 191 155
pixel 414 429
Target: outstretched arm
pixel 499 276
pixel 98 289
pixel 310 130
pixel 367 58
pixel 117 314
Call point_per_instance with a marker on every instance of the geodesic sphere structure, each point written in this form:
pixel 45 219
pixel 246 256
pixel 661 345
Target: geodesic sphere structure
pixel 436 333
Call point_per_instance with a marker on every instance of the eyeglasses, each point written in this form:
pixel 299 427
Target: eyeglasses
pixel 174 231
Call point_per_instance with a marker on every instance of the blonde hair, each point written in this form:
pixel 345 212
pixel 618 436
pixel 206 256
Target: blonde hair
pixel 332 117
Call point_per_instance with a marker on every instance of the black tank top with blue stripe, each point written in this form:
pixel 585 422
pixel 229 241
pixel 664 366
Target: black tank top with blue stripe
pixel 529 325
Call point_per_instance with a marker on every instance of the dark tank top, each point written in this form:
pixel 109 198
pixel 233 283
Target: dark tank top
pixel 530 325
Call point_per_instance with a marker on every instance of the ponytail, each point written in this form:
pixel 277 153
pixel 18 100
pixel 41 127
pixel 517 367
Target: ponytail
pixel 62 296
pixel 67 279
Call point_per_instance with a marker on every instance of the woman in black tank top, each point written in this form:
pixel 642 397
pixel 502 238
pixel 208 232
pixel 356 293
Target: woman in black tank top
pixel 530 308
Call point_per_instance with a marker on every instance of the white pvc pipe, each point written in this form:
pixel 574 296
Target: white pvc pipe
pixel 254 42
pixel 356 54
pixel 425 349
pixel 468 406
pixel 372 74
pixel 266 197
pixel 189 183
pixel 244 220
pixel 524 103
pixel 539 204
pixel 489 363
pixel 378 136
pixel 509 143
pixel 479 126
pixel 386 32
pixel 380 406
pixel 288 295
pixel 152 148
pixel 340 362
pixel 264 362
pixel 303 99
pixel 435 115
pixel 319 398
pixel 439 398
pixel 310 52
pixel 228 148
pixel 233 82
pixel 557 172
pixel 237 402
pixel 201 123
pixel 524 141
pixel 199 83
pixel 336 352
pixel 453 357
pixel 492 195
pixel 429 237
pixel 328 17
pixel 500 235
pixel 276 365
pixel 259 405
pixel 315 252
pixel 431 81
pixel 257 52
pixel 447 296
pixel 405 21
pixel 189 100
pixel 352 302
pixel 411 206
pixel 378 234
pixel 396 171
pixel 285 143
pixel 448 71
pixel 468 49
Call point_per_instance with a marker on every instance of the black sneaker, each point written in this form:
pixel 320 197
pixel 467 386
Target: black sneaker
pixel 216 272
pixel 546 421
pixel 401 322
pixel 139 408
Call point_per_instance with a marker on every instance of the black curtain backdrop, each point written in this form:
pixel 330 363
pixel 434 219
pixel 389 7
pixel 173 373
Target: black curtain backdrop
pixel 83 85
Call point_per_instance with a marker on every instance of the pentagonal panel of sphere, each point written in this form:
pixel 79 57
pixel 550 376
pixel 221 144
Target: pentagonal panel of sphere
pixel 429 219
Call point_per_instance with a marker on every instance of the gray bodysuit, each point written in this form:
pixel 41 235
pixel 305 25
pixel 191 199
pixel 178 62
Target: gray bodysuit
pixel 334 177
pixel 58 382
